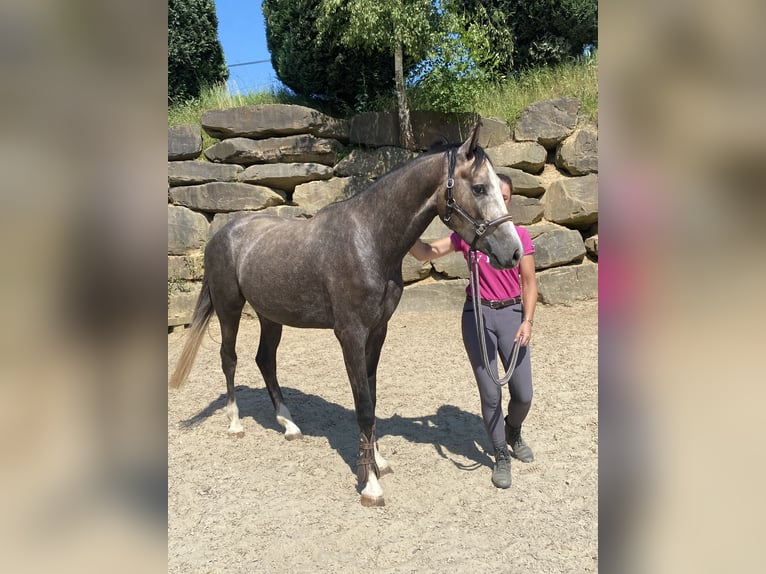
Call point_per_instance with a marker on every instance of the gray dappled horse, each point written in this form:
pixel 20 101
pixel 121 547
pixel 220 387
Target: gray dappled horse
pixel 341 270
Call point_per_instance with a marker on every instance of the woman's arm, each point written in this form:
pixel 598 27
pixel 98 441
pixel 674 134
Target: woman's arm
pixel 528 297
pixel 424 251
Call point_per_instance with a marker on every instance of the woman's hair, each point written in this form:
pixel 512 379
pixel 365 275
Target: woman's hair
pixel 505 179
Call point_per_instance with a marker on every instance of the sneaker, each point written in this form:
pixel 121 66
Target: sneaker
pixel 501 473
pixel 520 449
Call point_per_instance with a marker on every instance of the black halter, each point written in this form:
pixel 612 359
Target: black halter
pixel 479 228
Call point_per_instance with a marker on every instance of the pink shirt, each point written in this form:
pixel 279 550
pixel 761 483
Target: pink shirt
pixel 495 283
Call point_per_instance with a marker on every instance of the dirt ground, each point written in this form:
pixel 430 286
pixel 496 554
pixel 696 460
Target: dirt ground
pixel 263 504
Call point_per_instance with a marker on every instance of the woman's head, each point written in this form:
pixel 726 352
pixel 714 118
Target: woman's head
pixel 506 187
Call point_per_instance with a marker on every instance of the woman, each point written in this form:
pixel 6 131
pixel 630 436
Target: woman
pixel 508 298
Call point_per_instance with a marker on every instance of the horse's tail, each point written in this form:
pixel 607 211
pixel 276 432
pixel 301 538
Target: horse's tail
pixel 203 311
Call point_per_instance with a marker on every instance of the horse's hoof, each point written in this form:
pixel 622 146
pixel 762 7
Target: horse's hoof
pixel 238 434
pixel 370 501
pixel 293 436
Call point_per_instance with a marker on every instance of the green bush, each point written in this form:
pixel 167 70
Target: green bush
pixel 195 56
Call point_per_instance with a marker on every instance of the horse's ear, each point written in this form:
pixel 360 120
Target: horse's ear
pixel 470 144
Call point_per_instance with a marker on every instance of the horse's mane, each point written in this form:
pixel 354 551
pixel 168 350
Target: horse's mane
pixel 480 156
pixel 440 147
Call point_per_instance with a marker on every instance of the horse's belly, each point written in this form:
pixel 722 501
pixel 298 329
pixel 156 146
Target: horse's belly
pixel 295 309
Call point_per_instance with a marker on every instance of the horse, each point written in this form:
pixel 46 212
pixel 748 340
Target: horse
pixel 341 270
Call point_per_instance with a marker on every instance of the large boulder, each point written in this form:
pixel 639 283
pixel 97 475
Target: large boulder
pixel 285 176
pixel 224 196
pixel 186 267
pixel 372 163
pixel 494 132
pixel 525 210
pixel 547 122
pixel 578 154
pixel 298 149
pixel 375 129
pixel 314 195
pixel 269 120
pixel 452 265
pixel 573 201
pixel 526 156
pixel 564 285
pixel 198 172
pixel 288 211
pixel 591 244
pixel 221 219
pixel 182 298
pixel 414 270
pixel 184 142
pixel 523 183
pixel 285 211
pixel 187 230
pixel 430 128
pixel 378 129
pixel 555 245
pixel 444 295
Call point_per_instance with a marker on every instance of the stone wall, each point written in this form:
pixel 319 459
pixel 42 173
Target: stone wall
pixel 292 161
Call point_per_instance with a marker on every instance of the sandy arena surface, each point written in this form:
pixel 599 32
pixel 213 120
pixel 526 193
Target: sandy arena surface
pixel 263 504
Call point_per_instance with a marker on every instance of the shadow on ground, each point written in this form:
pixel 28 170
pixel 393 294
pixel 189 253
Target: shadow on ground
pixel 317 417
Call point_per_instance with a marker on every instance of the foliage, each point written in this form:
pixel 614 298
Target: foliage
pixel 551 31
pixel 504 99
pixel 340 50
pixel 485 28
pixel 195 56
pixel 309 59
pixel 381 24
pixel 497 41
pixel 448 79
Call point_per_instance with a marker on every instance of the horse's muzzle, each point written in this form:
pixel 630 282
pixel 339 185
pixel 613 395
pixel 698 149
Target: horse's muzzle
pixel 504 247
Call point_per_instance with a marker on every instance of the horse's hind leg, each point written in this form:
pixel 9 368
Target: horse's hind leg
pixel 228 303
pixel 229 329
pixel 266 359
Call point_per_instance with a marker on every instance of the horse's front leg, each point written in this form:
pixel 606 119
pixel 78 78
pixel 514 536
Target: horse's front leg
pixel 372 357
pixel 353 342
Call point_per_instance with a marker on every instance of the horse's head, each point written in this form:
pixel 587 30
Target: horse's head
pixel 472 204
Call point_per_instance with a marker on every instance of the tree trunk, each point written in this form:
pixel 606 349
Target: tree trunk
pixel 406 140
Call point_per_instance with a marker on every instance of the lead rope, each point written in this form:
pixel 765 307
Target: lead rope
pixel 479 318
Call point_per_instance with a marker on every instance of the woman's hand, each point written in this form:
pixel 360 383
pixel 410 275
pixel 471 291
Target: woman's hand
pixel 524 333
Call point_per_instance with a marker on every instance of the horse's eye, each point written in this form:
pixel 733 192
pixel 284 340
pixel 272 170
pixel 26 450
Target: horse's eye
pixel 479 189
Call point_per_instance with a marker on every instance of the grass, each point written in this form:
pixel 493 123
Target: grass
pixel 505 100
pixel 579 80
pixel 219 98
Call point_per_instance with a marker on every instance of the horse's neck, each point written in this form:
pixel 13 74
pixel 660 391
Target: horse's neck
pixel 405 204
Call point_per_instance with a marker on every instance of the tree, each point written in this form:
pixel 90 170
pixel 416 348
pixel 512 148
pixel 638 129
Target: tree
pixel 550 31
pixel 485 29
pixel 319 66
pixel 392 26
pixel 195 56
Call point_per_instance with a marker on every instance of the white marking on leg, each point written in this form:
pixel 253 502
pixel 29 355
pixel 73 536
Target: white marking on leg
pixel 382 463
pixel 285 419
pixel 372 494
pixel 236 424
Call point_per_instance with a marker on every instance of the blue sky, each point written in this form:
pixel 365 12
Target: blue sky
pixel 242 32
